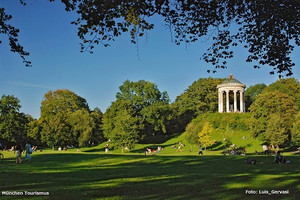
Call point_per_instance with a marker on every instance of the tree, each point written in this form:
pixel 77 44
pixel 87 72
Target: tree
pixel 205 135
pixel 82 125
pixel 289 86
pixel 200 97
pixel 191 133
pixel 57 107
pixel 12 123
pixel 34 132
pixel 97 134
pixel 158 116
pixel 266 28
pixel 148 104
pixel 269 103
pixel 252 92
pixel 141 94
pixel 277 131
pixel 296 130
pixel 121 125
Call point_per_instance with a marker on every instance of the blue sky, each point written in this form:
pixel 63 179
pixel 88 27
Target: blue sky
pixel 47 34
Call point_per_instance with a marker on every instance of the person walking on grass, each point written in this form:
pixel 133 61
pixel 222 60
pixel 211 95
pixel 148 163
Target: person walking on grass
pixel 200 150
pixel 18 151
pixel 28 152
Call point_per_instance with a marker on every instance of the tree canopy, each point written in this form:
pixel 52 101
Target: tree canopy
pixel 13 124
pixel 252 92
pixel 268 29
pixel 140 104
pixel 65 119
pixel 198 98
pixel 272 112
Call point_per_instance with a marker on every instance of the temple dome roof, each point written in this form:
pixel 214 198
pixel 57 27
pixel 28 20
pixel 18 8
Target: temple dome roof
pixel 231 81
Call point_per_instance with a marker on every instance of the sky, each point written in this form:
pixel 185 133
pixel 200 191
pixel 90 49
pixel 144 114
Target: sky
pixel 46 32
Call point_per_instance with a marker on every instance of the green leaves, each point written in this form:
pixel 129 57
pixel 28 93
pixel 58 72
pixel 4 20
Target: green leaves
pixel 12 122
pixel 140 111
pixel 66 119
pixel 121 125
pixel 204 135
pixel 272 116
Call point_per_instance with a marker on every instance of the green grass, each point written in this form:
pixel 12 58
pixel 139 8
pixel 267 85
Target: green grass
pixel 170 175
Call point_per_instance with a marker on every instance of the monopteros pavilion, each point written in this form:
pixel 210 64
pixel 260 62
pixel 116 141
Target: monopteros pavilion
pixel 231 95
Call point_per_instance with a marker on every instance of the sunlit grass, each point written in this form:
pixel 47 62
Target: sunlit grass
pixel 171 174
pixel 96 175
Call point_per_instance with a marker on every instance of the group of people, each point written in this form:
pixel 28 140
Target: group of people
pixel 267 149
pixel 150 151
pixel 28 151
pixel 278 158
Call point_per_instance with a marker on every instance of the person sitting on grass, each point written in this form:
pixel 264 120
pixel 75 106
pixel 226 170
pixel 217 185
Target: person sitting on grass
pixel 278 158
pixel 250 161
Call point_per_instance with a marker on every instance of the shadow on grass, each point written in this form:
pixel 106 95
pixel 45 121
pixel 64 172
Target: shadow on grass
pixel 93 176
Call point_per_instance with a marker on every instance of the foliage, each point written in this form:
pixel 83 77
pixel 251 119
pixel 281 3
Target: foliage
pixel 265 28
pixel 13 124
pixel 277 130
pixel 289 86
pixel 61 101
pixel 269 103
pixel 82 126
pixel 56 109
pixel 120 124
pixel 200 97
pixel 252 92
pixel 12 33
pixel 34 132
pixel 157 116
pixel 147 106
pixel 296 130
pixel 97 133
pixel 204 135
pixel 141 94
pixel 226 123
pixel 191 133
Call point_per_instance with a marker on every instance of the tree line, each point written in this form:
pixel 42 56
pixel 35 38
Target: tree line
pixel 142 113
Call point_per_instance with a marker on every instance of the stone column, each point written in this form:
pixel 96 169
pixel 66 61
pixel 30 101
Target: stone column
pixel 244 110
pixel 227 100
pixel 222 102
pixel 241 101
pixel 219 101
pixel 235 101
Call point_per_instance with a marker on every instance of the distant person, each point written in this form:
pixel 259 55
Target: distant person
pixel 18 151
pixel 28 151
pixel 265 149
pixel 200 150
pixel 278 158
pixel 34 148
pixel 250 161
pixel 270 149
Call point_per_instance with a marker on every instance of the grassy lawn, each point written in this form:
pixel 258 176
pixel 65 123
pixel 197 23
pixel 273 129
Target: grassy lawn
pixel 95 175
